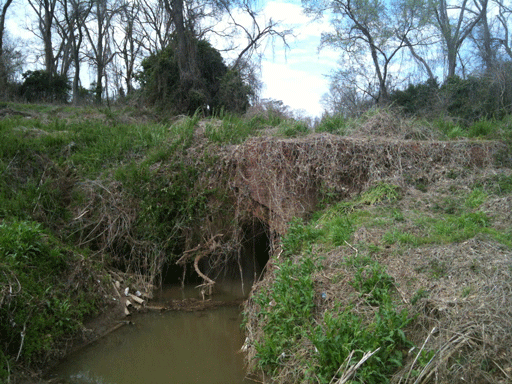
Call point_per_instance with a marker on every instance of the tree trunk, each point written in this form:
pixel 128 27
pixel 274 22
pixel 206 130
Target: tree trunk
pixel 49 60
pixel 488 53
pixel 3 70
pixel 452 58
pixel 383 89
pixel 185 50
pixel 454 34
pixel 100 66
pixel 419 58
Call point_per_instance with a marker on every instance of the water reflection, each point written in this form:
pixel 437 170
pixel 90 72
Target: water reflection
pixel 173 347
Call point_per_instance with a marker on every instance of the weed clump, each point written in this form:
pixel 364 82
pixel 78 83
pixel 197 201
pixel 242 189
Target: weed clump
pixel 47 292
pixel 295 322
pixel 405 297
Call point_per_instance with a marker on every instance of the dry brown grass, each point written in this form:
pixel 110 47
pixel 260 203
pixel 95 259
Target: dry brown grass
pixel 460 294
pixel 287 178
pixel 106 224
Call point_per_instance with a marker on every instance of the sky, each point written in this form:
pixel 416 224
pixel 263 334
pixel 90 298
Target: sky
pixel 296 76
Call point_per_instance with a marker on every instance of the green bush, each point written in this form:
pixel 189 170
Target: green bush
pixel 416 98
pixel 37 310
pixel 292 128
pixel 299 236
pixel 41 86
pixel 345 332
pixel 482 128
pixel 215 88
pixel 486 95
pixel 379 193
pixel 498 184
pixel 449 128
pixel 335 124
pixel 233 94
pixel 286 312
pixel 232 129
pixel 287 317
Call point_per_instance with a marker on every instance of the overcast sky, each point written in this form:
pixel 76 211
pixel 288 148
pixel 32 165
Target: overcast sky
pixel 296 76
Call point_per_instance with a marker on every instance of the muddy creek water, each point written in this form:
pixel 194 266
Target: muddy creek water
pixel 170 347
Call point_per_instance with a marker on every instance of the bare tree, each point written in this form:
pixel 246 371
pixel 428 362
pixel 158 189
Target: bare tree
pixel 45 11
pixel 131 44
pixel 353 87
pixel 363 28
pixel 100 36
pixel 484 40
pixel 413 30
pixel 254 33
pixel 3 72
pixel 503 16
pixel 154 25
pixel 455 30
pixel 75 13
pixel 345 98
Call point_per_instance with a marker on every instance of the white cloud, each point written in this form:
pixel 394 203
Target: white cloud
pixel 297 77
pixel 298 88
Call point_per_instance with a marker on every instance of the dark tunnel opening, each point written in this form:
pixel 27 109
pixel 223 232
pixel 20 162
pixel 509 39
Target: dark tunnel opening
pixel 172 274
pixel 256 246
pixel 243 265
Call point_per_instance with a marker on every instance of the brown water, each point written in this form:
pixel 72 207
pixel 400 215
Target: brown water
pixel 172 347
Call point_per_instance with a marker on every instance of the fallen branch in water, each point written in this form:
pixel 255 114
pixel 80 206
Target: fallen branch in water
pixel 203 250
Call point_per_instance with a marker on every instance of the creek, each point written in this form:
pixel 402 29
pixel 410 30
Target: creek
pixel 170 347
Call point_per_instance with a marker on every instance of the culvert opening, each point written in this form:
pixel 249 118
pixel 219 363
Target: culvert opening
pixel 256 247
pixel 241 265
pixel 244 265
pixel 173 274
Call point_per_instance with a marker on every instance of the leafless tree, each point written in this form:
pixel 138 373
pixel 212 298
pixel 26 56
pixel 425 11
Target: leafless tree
pixel 154 25
pixel 504 13
pixel 131 44
pixel 100 34
pixel 484 40
pixel 45 11
pixel 75 15
pixel 413 30
pixel 3 72
pixel 362 28
pixel 353 88
pixel 255 33
pixel 454 30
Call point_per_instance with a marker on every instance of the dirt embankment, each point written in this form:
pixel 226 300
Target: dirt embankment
pixel 262 184
pixel 457 288
pixel 285 178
